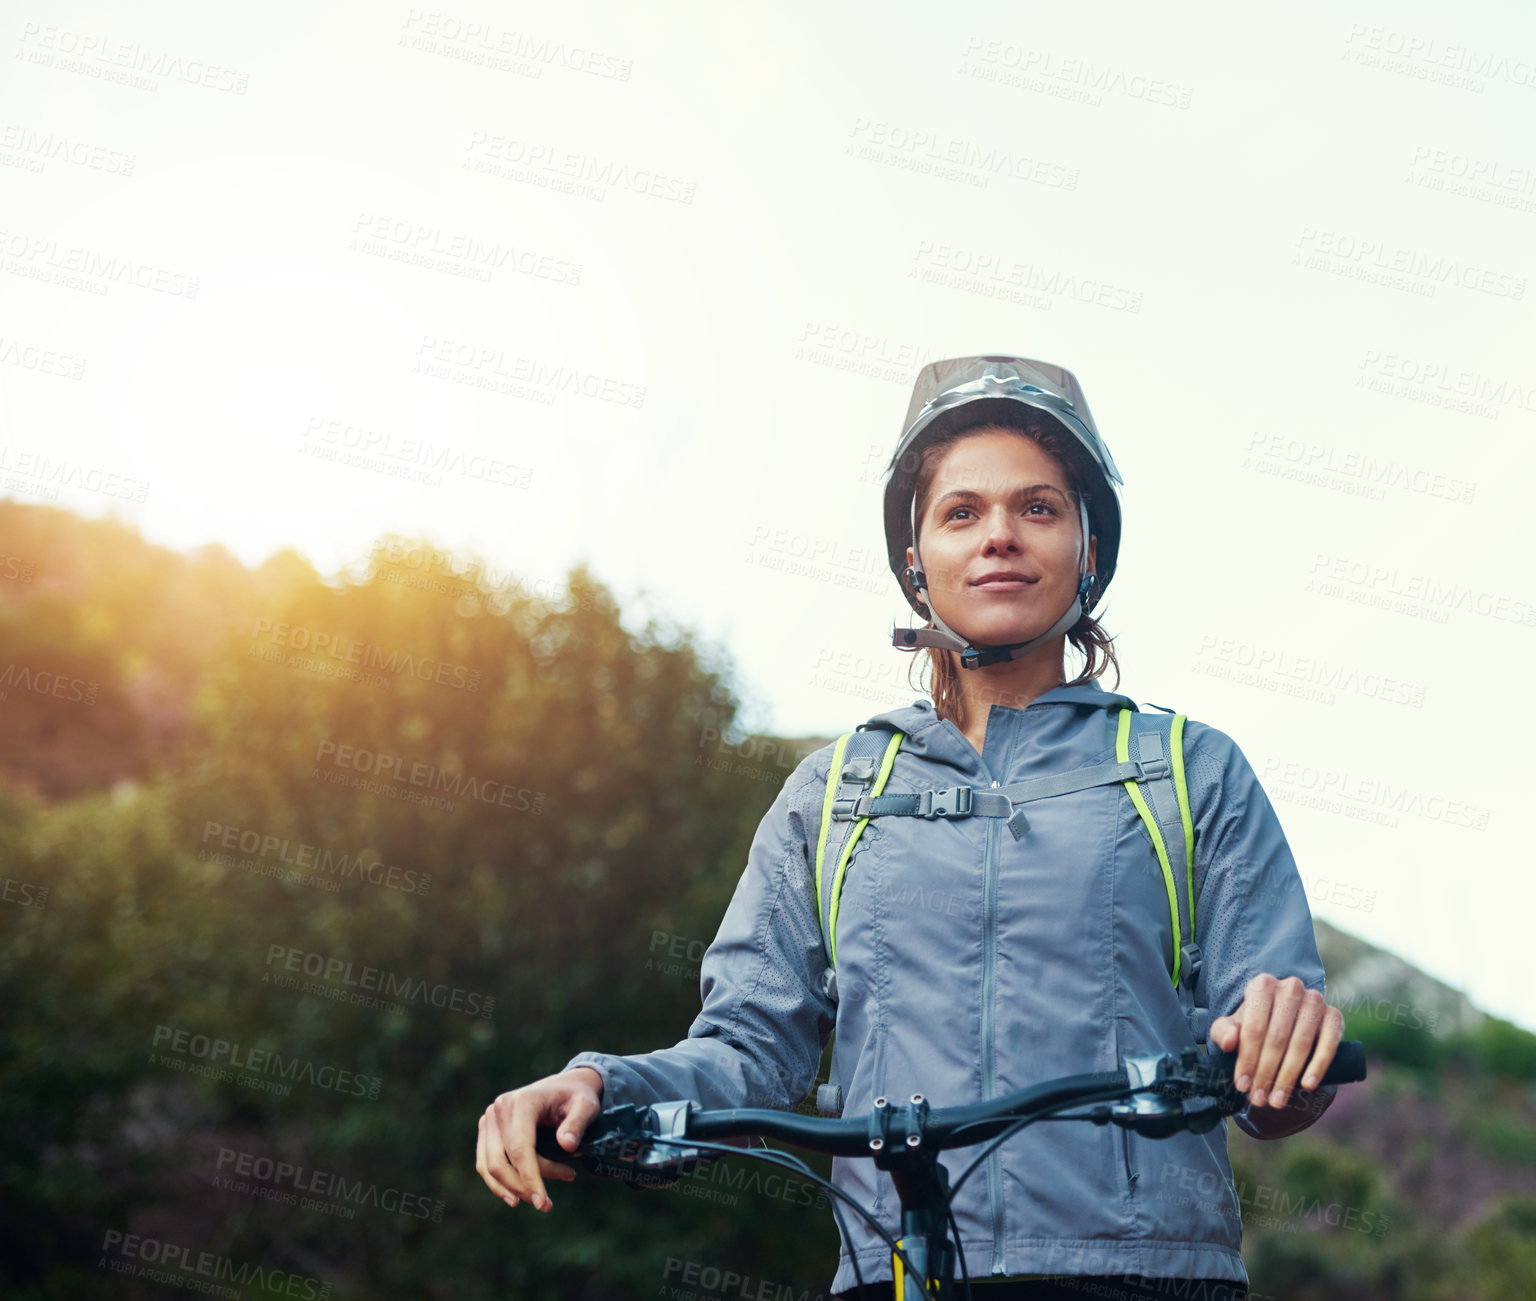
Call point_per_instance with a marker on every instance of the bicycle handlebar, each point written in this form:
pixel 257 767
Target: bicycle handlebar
pixel 905 1142
pixel 1155 1085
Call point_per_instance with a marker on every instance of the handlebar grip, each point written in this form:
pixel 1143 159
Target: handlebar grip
pixel 588 1158
pixel 1347 1067
pixel 546 1144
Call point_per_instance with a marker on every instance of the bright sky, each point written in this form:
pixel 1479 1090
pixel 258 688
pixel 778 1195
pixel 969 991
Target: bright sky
pixel 648 287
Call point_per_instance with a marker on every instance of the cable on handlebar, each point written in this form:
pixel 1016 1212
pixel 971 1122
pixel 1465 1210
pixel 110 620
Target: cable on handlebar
pixel 789 1161
pixel 1022 1123
pixel 1160 1083
pixel 954 1224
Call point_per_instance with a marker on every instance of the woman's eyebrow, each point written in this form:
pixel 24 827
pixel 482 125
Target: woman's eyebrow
pixel 970 494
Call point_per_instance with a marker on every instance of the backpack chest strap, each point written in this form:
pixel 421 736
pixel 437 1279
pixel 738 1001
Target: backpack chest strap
pixel 969 801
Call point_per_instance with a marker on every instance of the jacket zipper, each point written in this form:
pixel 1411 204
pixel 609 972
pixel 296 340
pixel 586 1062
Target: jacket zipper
pixel 988 994
pixel 988 1062
pixel 1130 1158
pixel 988 997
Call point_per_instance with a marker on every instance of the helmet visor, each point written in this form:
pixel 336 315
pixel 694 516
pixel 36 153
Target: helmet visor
pixel 945 386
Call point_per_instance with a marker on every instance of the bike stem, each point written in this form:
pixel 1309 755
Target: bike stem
pixel 897 1146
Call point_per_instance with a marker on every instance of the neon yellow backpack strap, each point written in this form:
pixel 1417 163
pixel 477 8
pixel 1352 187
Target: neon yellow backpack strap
pixel 844 784
pixel 838 751
pixel 1181 788
pixel 1186 953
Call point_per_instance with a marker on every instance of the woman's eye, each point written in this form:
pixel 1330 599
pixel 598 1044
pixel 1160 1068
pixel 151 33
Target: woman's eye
pixel 1039 508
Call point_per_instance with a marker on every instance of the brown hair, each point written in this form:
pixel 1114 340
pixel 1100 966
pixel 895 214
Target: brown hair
pixel 1087 635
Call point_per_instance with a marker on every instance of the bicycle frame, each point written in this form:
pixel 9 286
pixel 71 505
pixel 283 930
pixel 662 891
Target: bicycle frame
pixel 1146 1095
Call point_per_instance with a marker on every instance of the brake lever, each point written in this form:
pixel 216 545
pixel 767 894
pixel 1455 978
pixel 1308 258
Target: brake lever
pixel 624 1143
pixel 1166 1081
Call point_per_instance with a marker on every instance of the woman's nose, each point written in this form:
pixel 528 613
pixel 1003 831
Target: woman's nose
pixel 1002 531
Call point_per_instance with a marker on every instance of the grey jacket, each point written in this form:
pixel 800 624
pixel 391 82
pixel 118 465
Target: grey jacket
pixel 970 964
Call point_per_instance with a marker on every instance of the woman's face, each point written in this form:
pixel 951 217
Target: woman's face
pixel 1000 502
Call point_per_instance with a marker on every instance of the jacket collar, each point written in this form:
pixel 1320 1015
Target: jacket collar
pixel 920 714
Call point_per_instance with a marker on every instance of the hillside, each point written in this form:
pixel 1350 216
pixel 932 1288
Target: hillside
pixel 574 833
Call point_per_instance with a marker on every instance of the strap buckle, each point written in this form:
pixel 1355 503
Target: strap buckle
pixel 1154 769
pixel 1189 969
pixel 951 802
pixel 859 770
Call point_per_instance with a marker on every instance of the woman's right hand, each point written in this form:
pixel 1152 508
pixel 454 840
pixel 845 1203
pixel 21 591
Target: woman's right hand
pixel 506 1159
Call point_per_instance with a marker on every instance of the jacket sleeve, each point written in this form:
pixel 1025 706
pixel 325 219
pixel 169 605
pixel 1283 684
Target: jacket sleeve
pixel 1251 911
pixel 758 1040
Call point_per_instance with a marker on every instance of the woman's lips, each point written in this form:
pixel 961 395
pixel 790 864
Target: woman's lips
pixel 1002 584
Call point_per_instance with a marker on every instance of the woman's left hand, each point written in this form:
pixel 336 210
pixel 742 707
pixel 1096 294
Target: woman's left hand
pixel 1280 1027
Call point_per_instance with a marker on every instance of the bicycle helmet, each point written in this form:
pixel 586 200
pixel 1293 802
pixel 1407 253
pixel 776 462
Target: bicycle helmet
pixel 963 391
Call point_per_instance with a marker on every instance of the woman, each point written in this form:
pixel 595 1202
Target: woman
pixel 1045 954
